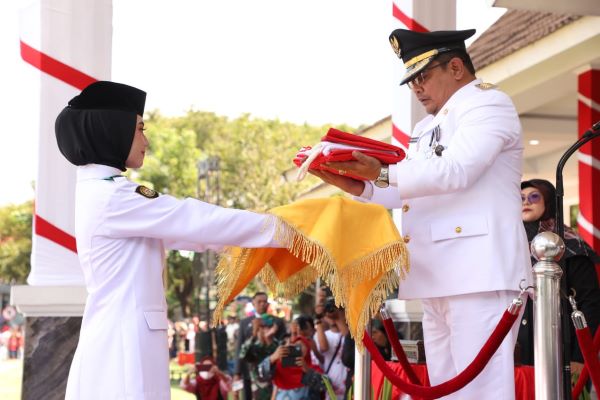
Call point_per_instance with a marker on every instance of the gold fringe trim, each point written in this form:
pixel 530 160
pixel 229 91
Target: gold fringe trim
pixel 378 295
pixel 227 273
pixel 393 256
pixel 299 245
pixel 293 285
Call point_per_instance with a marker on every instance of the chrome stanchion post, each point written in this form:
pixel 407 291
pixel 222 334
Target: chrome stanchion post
pixel 547 248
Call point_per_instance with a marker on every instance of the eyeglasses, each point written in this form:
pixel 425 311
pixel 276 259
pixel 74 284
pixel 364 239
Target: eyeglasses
pixel 422 76
pixel 532 198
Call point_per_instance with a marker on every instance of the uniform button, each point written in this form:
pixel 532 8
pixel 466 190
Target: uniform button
pixel 458 229
pixel 524 321
pixel 405 208
pixel 406 238
pixel 445 111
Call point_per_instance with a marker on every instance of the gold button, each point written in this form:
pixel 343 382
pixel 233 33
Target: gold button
pixel 405 208
pixel 406 238
pixel 458 229
pixel 445 111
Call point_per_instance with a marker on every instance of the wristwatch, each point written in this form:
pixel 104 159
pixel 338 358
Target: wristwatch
pixel 383 180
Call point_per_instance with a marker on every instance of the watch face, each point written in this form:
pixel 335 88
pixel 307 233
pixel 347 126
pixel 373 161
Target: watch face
pixel 381 184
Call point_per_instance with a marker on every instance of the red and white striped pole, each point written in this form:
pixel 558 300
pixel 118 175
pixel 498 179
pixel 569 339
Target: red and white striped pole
pixel 420 16
pixel 70 42
pixel 588 89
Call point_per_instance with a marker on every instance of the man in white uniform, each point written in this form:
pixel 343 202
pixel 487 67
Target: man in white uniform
pixel 122 231
pixel 459 192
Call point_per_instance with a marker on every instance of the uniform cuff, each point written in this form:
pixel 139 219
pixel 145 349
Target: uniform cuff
pixel 367 193
pixel 393 174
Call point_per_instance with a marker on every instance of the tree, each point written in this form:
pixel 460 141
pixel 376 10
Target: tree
pixel 254 153
pixel 15 242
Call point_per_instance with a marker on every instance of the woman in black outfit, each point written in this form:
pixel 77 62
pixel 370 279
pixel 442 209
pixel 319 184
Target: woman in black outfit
pixel 579 261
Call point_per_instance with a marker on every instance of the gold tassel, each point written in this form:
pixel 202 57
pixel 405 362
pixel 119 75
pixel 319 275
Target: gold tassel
pixel 378 295
pixel 293 285
pixel 393 256
pixel 228 271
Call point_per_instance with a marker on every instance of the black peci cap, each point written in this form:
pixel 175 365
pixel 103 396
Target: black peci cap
pixel 104 95
pixel 418 49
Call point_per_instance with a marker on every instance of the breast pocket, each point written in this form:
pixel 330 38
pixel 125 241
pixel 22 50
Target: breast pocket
pixel 156 320
pixel 459 226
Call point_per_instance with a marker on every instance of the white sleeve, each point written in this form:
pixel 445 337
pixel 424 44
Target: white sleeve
pixel 482 132
pixel 188 223
pixel 387 197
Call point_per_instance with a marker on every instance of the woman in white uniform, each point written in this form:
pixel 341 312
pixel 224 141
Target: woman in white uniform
pixel 122 231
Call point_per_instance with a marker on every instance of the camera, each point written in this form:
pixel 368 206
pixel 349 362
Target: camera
pixel 329 305
pixel 295 351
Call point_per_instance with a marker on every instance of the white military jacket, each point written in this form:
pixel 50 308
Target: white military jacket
pixel 461 211
pixel 121 236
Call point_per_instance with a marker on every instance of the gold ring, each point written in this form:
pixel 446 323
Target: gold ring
pixel 342 171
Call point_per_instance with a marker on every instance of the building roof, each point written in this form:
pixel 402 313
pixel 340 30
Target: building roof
pixel 513 31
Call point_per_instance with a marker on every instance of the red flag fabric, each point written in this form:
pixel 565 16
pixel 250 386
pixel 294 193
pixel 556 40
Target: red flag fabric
pixel 337 145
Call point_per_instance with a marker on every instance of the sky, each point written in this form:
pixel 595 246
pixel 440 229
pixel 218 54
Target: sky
pixel 314 61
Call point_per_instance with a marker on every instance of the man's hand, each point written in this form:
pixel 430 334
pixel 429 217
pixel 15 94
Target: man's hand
pixel 272 331
pixel 364 166
pixel 256 325
pixel 348 185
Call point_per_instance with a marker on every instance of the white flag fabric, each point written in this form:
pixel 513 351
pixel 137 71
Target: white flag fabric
pixel 70 42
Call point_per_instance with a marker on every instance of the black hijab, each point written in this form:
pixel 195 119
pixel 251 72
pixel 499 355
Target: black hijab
pixel 98 125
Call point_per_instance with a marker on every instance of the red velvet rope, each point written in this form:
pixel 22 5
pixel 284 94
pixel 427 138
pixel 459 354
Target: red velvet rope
pixel 585 374
pixel 459 381
pixel 586 344
pixel 392 335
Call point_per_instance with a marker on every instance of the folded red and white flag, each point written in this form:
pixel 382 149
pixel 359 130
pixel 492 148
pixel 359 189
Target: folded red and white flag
pixel 337 145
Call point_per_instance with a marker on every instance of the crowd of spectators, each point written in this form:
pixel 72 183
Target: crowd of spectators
pixel 271 354
pixel 11 334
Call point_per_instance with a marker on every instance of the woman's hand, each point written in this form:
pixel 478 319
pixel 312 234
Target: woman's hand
pixel 301 363
pixel 281 352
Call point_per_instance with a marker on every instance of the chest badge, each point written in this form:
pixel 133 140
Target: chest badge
pixel 146 192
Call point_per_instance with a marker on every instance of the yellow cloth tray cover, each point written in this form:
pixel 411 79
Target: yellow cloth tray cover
pixel 354 247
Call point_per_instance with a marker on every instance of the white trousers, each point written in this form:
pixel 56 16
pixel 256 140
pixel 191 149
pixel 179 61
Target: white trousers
pixel 455 328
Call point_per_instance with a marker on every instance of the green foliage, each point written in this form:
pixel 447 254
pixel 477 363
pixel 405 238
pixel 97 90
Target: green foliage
pixel 15 242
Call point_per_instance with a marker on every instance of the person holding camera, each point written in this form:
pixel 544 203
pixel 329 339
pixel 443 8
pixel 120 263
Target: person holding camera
pixel 291 367
pixel 247 330
pixel 207 381
pixel 259 346
pixel 330 341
